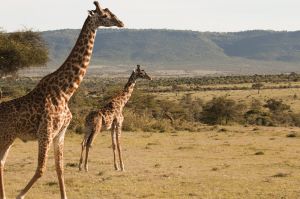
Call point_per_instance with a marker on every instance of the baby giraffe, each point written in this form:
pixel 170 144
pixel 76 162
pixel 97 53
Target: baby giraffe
pixel 110 117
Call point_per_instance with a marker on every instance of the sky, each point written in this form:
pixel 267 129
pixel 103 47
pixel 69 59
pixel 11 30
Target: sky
pixel 198 15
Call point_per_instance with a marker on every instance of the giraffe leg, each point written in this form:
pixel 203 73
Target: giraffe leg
pixel 83 147
pixel 119 131
pixel 94 130
pixel 86 145
pixel 58 145
pixel 4 149
pixel 86 166
pixel 81 155
pixel 114 145
pixel 44 145
pixel 87 148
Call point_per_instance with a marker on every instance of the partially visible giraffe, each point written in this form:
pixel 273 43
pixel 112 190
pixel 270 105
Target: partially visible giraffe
pixel 110 117
pixel 43 113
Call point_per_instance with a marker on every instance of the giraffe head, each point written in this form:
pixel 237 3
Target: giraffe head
pixel 138 73
pixel 104 17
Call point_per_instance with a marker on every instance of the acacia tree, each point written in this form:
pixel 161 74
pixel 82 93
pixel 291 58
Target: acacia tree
pixel 257 86
pixel 21 49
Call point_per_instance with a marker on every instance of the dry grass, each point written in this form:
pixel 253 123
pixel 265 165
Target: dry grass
pixel 206 164
pixel 287 95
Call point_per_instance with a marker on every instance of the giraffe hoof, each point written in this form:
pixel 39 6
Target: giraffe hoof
pixel 20 197
pixel 122 167
pixel 117 169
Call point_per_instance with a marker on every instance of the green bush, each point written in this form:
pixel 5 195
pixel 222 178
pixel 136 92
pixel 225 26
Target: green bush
pixel 284 118
pixel 221 110
pixel 261 119
pixel 278 114
pixel 276 106
pixel 21 49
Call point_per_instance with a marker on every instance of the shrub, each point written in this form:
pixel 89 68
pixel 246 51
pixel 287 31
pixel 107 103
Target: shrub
pixel 132 121
pixel 192 108
pixel 161 126
pixel 295 118
pixel 221 110
pixel 283 119
pixel 182 125
pixel 21 49
pixel 258 117
pixel 276 106
pixel 256 105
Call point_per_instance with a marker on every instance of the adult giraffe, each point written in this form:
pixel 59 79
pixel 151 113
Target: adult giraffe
pixel 43 114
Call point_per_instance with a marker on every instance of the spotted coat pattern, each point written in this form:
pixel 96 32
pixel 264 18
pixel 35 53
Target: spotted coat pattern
pixel 110 117
pixel 43 113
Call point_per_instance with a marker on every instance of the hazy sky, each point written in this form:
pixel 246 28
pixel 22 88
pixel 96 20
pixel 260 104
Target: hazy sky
pixel 202 15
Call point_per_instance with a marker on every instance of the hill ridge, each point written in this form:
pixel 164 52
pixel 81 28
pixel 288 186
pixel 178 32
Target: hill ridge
pixel 253 51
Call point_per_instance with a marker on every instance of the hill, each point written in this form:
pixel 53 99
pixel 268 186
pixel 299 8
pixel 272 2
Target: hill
pixel 239 52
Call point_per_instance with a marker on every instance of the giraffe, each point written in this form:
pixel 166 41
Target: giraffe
pixel 110 117
pixel 43 113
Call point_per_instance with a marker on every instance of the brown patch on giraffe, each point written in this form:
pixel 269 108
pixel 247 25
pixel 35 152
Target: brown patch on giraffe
pixel 77 48
pixel 80 43
pixel 79 57
pixel 55 90
pixel 76 70
pixel 77 80
pixel 87 60
pixel 70 78
pixel 87 53
pixel 71 89
pixel 82 72
pixel 82 49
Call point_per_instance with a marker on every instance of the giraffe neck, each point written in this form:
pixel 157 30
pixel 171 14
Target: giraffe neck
pixel 128 89
pixel 65 80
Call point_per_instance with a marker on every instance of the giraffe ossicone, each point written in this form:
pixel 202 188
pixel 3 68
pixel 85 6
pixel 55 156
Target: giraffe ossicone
pixel 110 117
pixel 43 113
